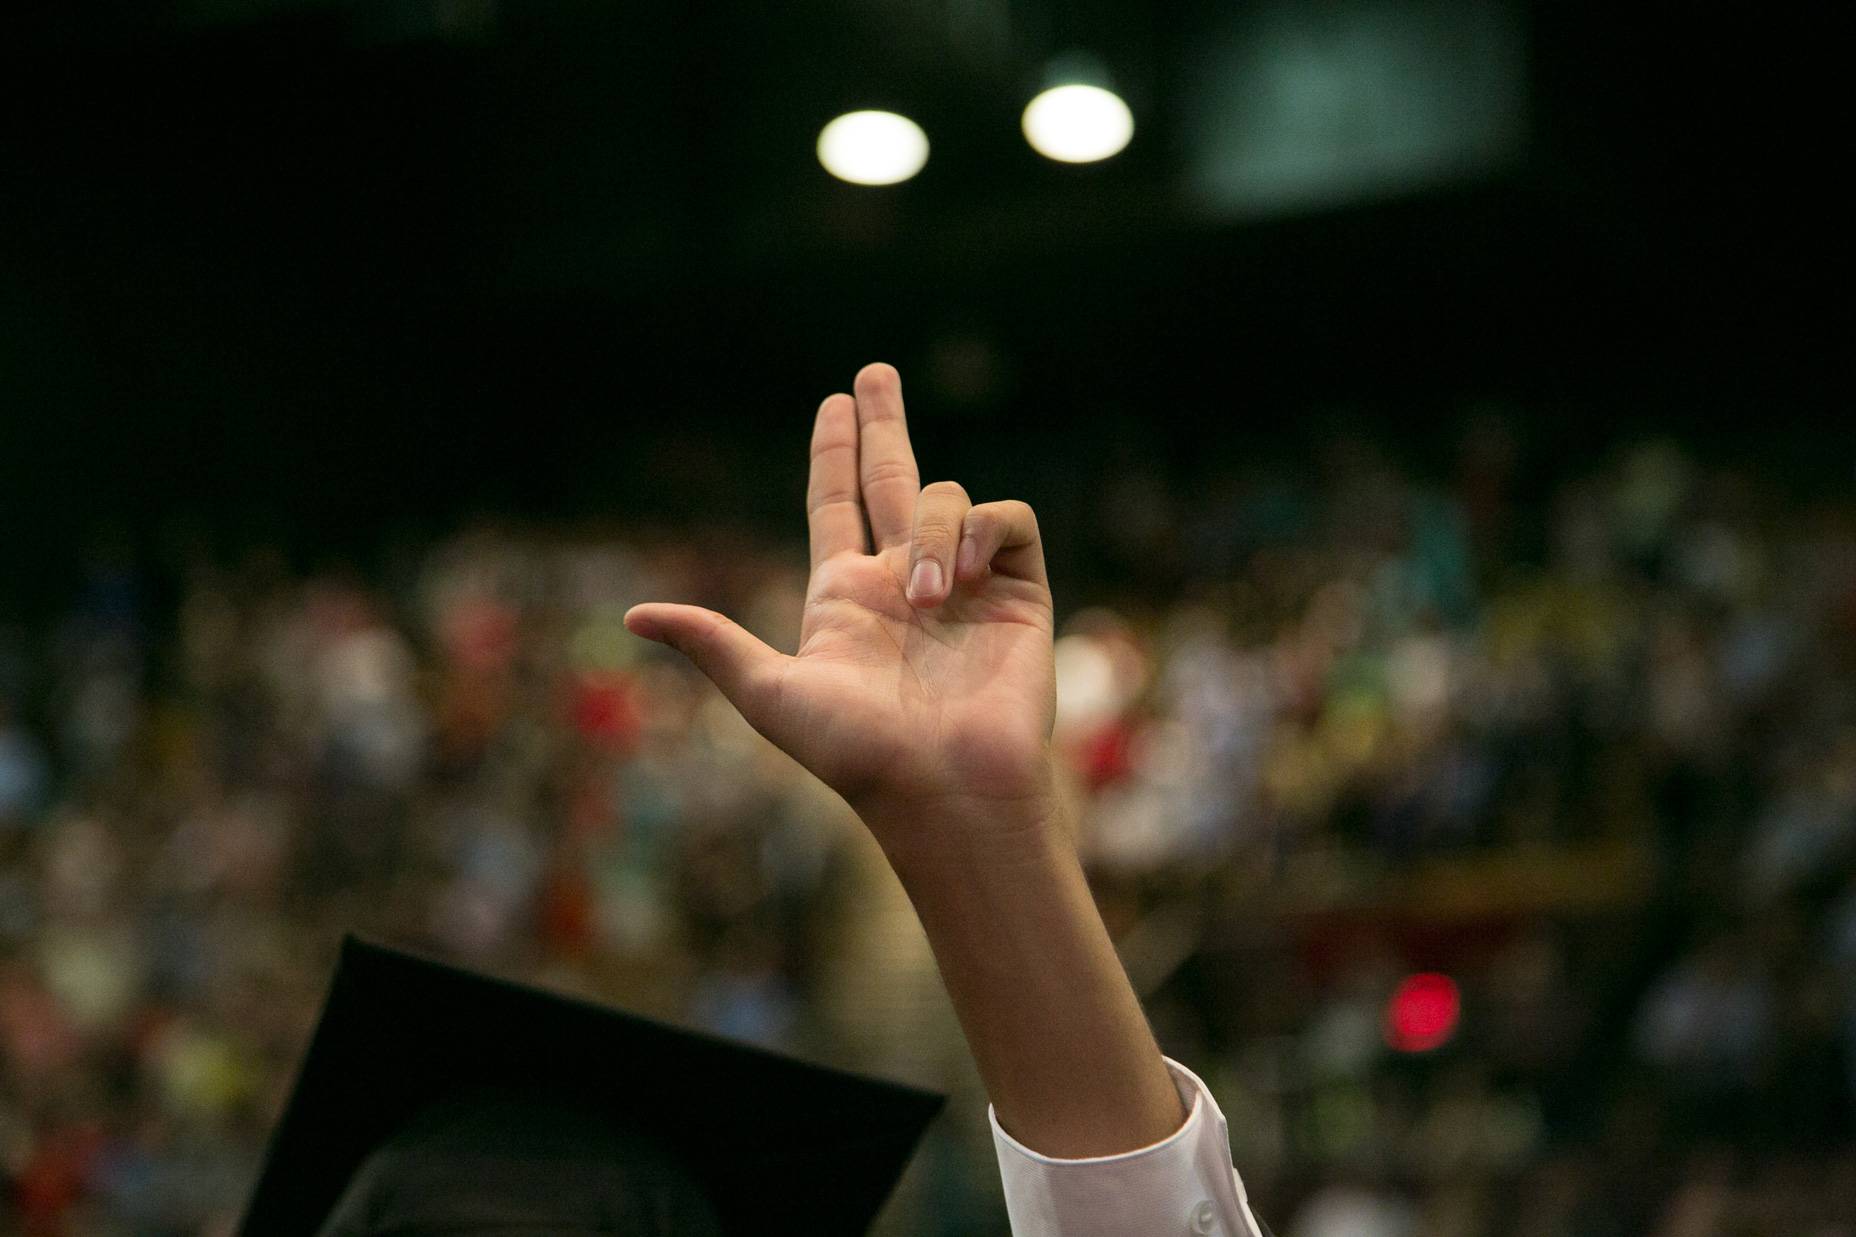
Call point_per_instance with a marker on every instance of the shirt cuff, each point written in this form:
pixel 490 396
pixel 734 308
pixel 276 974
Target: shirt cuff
pixel 1183 1184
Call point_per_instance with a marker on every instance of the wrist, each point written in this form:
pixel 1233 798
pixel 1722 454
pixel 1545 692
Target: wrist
pixel 924 837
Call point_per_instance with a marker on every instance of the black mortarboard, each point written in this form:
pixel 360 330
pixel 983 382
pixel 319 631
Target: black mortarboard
pixel 411 1053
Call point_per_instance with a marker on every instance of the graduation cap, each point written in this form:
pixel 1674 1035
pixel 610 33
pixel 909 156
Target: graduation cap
pixel 437 1100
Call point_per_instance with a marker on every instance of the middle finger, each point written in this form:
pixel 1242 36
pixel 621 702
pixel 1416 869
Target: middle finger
pixel 885 460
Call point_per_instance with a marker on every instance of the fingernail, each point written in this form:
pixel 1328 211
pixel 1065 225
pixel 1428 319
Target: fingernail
pixel 963 563
pixel 926 581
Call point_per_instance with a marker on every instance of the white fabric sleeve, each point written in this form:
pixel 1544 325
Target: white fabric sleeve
pixel 1183 1185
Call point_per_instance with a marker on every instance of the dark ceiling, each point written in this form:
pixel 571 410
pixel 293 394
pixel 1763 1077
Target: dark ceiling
pixel 323 268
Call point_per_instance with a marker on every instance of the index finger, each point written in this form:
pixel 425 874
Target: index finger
pixel 885 460
pixel 834 516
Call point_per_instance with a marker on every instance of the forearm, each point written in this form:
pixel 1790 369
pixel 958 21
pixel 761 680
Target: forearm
pixel 1053 1023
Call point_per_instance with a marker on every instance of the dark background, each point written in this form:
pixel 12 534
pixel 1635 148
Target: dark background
pixel 359 361
pixel 309 274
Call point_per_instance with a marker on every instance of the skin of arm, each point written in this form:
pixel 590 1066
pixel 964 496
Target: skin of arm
pixel 923 692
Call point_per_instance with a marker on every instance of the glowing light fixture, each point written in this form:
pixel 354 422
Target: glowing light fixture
pixel 872 148
pixel 1078 123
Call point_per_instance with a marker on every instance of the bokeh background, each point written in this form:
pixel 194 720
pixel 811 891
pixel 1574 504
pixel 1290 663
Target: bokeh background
pixel 1437 423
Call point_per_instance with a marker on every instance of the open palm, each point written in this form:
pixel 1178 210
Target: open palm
pixel 924 671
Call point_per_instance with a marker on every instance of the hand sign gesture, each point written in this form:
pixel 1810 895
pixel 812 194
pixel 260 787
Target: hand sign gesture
pixel 923 692
pixel 923 687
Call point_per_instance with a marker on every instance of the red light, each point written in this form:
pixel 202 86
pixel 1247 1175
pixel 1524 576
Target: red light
pixel 1422 1013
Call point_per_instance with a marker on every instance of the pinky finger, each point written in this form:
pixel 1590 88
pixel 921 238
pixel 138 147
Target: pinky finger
pixel 1004 537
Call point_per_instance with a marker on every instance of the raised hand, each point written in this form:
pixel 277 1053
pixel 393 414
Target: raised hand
pixel 923 687
pixel 923 692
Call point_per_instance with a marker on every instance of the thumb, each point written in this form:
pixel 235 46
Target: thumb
pixel 734 659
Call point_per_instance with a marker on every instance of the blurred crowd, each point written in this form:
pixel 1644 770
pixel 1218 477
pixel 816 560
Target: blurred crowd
pixel 1585 758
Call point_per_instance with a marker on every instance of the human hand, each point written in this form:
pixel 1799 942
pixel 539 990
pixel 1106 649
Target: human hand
pixel 929 708
pixel 923 689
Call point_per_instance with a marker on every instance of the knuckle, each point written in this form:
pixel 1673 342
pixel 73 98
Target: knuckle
pixel 935 529
pixel 832 498
pixel 884 471
pixel 945 489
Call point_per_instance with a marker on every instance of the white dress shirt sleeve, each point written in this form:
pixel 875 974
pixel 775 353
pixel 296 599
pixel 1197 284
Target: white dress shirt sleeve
pixel 1183 1185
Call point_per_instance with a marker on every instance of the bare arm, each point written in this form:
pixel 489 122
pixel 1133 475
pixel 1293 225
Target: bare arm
pixel 923 692
pixel 1059 1037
